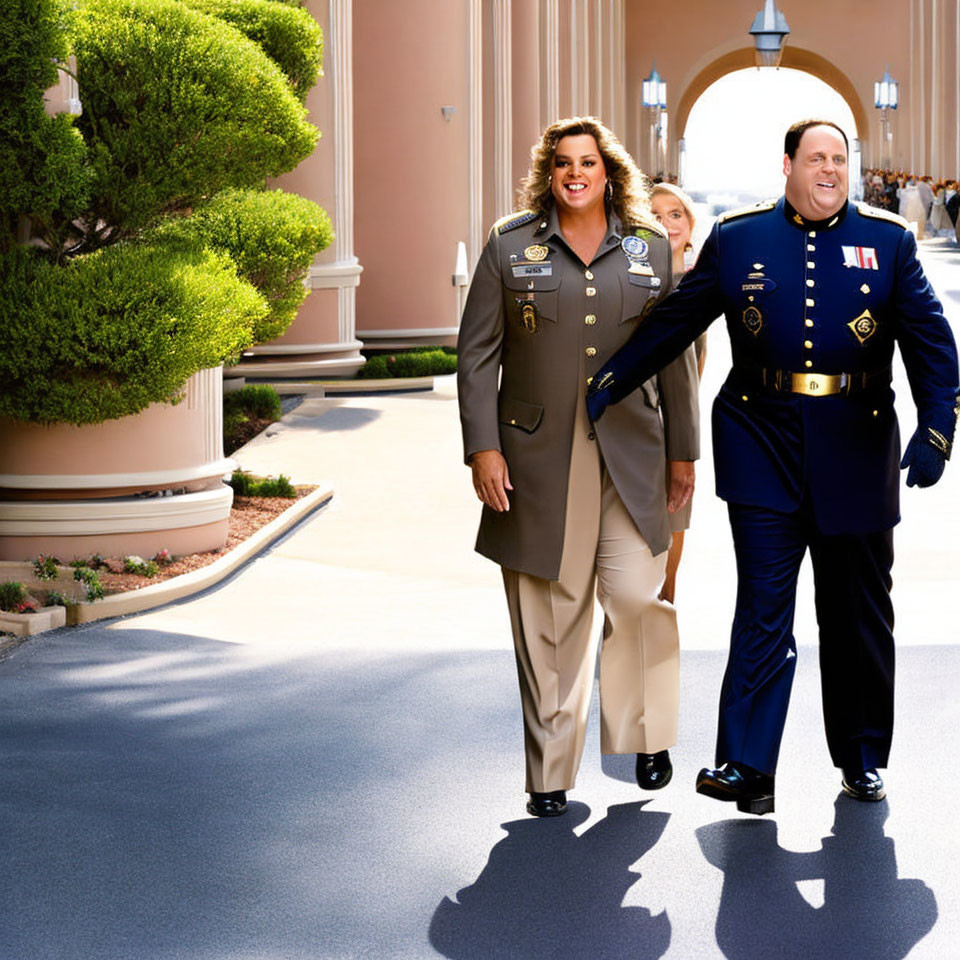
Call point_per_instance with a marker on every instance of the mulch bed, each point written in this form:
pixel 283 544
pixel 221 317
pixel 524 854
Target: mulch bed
pixel 247 516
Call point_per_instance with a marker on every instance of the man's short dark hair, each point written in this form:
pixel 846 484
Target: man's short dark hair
pixel 792 140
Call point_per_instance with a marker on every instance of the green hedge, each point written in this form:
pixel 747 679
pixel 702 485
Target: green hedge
pixel 424 362
pixel 246 485
pixel 289 36
pixel 177 106
pixel 42 159
pixel 272 236
pixel 110 333
pixel 254 400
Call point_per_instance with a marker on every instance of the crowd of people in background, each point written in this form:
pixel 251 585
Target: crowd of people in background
pixel 932 205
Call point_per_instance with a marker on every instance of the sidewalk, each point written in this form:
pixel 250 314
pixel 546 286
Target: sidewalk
pixel 322 757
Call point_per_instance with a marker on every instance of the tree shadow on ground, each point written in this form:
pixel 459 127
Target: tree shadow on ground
pixel 548 893
pixel 867 910
pixel 171 797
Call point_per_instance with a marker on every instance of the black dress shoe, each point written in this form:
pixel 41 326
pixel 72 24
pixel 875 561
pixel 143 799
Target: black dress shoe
pixel 751 789
pixel 550 804
pixel 863 784
pixel 654 770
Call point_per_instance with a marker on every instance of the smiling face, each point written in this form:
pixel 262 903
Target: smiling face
pixel 577 174
pixel 817 175
pixel 671 213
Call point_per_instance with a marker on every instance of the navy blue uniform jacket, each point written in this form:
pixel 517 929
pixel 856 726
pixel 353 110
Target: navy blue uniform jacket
pixel 826 298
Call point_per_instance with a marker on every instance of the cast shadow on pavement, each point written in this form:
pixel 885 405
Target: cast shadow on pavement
pixel 547 892
pixel 867 910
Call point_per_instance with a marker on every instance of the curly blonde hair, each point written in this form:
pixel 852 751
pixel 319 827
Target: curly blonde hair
pixel 627 186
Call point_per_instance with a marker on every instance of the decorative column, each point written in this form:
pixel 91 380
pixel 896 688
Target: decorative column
pixel 550 61
pixel 322 340
pixel 417 163
pixel 502 109
pixel 475 81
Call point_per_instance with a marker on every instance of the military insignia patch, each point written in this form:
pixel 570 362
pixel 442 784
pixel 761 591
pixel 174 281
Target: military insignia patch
pixel 536 252
pixel 635 248
pixel 863 327
pixel 753 320
pixel 636 251
pixel 529 315
pixel 863 257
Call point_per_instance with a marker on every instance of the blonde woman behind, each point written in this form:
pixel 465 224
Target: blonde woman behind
pixel 674 209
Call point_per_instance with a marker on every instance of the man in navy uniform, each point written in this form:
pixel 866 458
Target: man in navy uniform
pixel 816 290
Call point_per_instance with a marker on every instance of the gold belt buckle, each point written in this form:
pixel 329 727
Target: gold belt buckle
pixel 815 384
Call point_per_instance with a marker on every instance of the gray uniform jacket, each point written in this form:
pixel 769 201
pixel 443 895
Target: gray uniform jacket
pixel 536 326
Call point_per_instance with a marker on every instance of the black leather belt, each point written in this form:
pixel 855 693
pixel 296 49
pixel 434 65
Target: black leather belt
pixel 811 384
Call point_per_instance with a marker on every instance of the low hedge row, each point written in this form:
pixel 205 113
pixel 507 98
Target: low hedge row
pixel 422 362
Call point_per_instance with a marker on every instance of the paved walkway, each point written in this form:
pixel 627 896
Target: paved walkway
pixel 322 757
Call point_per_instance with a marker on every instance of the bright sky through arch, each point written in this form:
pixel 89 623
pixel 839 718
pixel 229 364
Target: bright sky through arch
pixel 734 133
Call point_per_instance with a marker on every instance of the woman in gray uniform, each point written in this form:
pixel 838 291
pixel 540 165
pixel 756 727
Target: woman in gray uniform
pixel 569 510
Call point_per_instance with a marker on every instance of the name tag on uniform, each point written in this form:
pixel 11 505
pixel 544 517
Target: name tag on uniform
pixel 643 281
pixel 533 269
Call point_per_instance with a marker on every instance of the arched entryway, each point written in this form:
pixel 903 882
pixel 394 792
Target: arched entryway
pixel 732 144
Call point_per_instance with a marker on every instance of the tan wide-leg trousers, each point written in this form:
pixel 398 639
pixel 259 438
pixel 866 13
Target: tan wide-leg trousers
pixel 556 647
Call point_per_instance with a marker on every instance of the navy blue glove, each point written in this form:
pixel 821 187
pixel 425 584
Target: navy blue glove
pixel 597 402
pixel 925 461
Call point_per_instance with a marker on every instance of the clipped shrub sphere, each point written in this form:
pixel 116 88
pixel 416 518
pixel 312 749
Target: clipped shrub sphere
pixel 177 106
pixel 110 333
pixel 272 237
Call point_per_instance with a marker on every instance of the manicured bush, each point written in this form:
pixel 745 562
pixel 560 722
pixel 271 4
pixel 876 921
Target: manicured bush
pixel 272 236
pixel 108 314
pixel 246 485
pixel 289 36
pixel 429 362
pixel 255 400
pixel 177 106
pixel 42 159
pixel 246 412
pixel 112 332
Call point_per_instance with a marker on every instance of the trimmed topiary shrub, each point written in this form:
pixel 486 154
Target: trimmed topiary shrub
pixel 133 286
pixel 289 36
pixel 177 106
pixel 272 236
pixel 109 334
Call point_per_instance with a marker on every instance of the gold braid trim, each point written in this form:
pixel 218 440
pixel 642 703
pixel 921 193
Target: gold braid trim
pixel 939 442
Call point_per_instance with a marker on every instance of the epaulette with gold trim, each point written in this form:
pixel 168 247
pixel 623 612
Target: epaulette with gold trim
pixel 878 213
pixel 513 220
pixel 760 207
